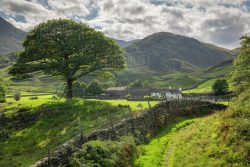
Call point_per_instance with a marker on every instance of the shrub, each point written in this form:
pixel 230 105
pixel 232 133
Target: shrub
pixel 54 97
pixel 17 96
pixel 2 94
pixel 104 153
pixel 136 84
pixel 122 106
pixel 94 88
pixel 128 96
pixel 139 105
pixel 33 98
pixel 149 98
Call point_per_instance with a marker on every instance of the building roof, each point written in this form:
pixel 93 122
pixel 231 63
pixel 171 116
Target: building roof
pixel 116 88
pixel 166 90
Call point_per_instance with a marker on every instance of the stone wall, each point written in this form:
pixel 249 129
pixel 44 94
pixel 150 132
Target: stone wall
pixel 149 121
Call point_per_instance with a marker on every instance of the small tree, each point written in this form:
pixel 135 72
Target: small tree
pixel 94 88
pixel 69 50
pixel 108 84
pixel 220 87
pixel 136 84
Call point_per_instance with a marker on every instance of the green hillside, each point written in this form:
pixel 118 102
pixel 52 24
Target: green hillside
pixel 58 121
pixel 221 139
pixel 165 52
pixel 187 81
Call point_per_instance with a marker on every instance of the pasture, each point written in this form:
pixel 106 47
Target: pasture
pixel 57 122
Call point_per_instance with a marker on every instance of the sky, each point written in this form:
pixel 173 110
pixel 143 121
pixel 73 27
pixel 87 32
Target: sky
pixel 220 22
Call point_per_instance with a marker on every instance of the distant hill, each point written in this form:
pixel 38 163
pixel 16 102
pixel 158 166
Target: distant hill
pixel 236 51
pixel 10 37
pixel 166 52
pixel 123 43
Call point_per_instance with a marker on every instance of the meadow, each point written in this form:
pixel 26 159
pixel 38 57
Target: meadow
pixel 58 121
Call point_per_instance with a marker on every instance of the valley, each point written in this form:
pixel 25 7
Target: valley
pixel 72 96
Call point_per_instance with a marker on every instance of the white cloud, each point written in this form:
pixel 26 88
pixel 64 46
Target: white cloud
pixel 221 22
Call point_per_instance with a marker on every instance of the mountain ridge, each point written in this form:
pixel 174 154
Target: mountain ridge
pixel 165 52
pixel 10 37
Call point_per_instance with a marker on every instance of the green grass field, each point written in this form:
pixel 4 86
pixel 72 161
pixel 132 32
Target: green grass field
pixel 194 144
pixel 59 122
pixel 153 154
pixel 176 80
pixel 135 105
pixel 206 87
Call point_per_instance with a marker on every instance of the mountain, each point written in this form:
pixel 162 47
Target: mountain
pixel 123 43
pixel 166 52
pixel 10 37
pixel 168 59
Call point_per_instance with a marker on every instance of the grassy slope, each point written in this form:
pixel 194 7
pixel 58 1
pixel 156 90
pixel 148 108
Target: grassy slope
pixel 58 123
pixel 175 80
pixel 152 154
pixel 205 87
pixel 222 139
pixel 207 78
pixel 195 82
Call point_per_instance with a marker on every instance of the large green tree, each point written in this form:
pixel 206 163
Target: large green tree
pixel 67 49
pixel 241 72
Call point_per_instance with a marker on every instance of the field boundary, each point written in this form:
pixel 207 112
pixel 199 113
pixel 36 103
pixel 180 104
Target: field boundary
pixel 149 121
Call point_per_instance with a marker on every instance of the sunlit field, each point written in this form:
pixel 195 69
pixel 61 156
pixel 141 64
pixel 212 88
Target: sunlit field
pixel 58 122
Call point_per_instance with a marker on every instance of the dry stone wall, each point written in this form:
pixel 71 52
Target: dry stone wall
pixel 148 121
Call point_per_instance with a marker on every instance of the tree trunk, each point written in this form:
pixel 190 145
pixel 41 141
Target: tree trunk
pixel 69 89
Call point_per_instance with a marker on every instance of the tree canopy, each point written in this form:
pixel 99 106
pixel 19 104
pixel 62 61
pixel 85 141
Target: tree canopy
pixel 241 72
pixel 220 87
pixel 94 88
pixel 67 49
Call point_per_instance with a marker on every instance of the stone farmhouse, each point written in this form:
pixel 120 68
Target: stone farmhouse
pixel 139 93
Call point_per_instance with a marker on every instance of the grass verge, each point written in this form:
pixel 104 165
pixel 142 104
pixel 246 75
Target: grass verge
pixel 152 154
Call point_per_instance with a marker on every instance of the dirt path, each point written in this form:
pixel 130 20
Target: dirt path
pixel 169 151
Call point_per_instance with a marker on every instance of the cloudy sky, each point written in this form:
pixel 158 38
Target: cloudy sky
pixel 220 22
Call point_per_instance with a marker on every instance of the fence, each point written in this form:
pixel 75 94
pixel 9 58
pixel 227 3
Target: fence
pixel 148 121
pixel 90 119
